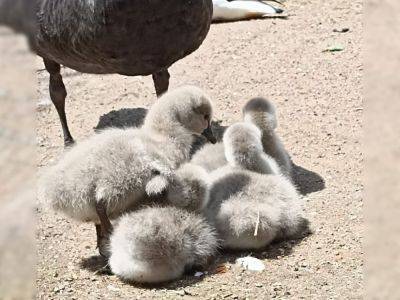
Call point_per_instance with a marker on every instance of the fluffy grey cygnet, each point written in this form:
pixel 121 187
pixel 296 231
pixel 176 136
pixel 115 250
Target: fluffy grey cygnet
pixel 110 172
pixel 248 208
pixel 243 148
pixel 158 244
pixel 247 146
pixel 262 113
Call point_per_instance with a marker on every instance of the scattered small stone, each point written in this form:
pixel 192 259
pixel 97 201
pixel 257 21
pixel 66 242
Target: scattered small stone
pixel 251 263
pixel 44 102
pixel 58 289
pixel 277 286
pixel 188 292
pixel 198 274
pixel 343 30
pixel 259 285
pixel 112 288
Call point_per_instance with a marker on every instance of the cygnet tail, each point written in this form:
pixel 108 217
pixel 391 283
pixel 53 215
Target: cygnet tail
pixel 242 9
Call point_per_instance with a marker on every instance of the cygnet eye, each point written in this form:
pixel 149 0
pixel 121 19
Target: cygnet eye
pixel 155 172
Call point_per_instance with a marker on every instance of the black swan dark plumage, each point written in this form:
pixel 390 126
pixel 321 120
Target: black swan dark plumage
pixel 128 37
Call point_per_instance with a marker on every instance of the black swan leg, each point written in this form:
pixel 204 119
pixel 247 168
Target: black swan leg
pixel 161 81
pixel 98 234
pixel 103 230
pixel 58 95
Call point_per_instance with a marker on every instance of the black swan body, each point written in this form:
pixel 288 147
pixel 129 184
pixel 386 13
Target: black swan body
pixel 128 37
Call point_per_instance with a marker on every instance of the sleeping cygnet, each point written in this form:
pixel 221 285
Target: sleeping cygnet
pixel 251 209
pixel 157 244
pixel 262 113
pixel 110 172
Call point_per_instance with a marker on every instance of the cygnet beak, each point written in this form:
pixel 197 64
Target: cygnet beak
pixel 208 134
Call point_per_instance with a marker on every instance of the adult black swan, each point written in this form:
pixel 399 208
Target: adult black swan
pixel 128 37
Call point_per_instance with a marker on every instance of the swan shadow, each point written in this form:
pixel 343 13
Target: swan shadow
pixel 307 181
pixel 122 118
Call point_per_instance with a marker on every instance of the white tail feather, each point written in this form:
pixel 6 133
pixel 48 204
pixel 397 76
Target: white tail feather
pixel 241 9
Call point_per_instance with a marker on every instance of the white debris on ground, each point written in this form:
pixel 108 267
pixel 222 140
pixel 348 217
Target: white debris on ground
pixel 250 263
pixel 198 274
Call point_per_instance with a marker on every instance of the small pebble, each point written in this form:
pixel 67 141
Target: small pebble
pixel 112 288
pixel 343 30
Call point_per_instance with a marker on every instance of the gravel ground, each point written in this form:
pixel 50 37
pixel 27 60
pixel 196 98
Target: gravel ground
pixel 319 100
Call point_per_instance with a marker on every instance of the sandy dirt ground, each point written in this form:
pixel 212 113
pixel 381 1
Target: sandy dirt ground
pixel 319 100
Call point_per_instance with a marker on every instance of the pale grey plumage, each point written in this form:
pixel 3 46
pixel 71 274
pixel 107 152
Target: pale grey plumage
pixel 210 157
pixel 157 244
pixel 214 156
pixel 243 148
pixel 262 113
pixel 251 209
pixel 189 188
pixel 115 166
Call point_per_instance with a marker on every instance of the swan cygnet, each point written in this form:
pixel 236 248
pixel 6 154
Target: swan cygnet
pixel 158 244
pixel 243 148
pixel 247 139
pixel 250 209
pixel 262 113
pixel 109 173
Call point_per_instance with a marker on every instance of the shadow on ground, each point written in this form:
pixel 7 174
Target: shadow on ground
pixel 95 264
pixel 122 118
pixel 307 181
